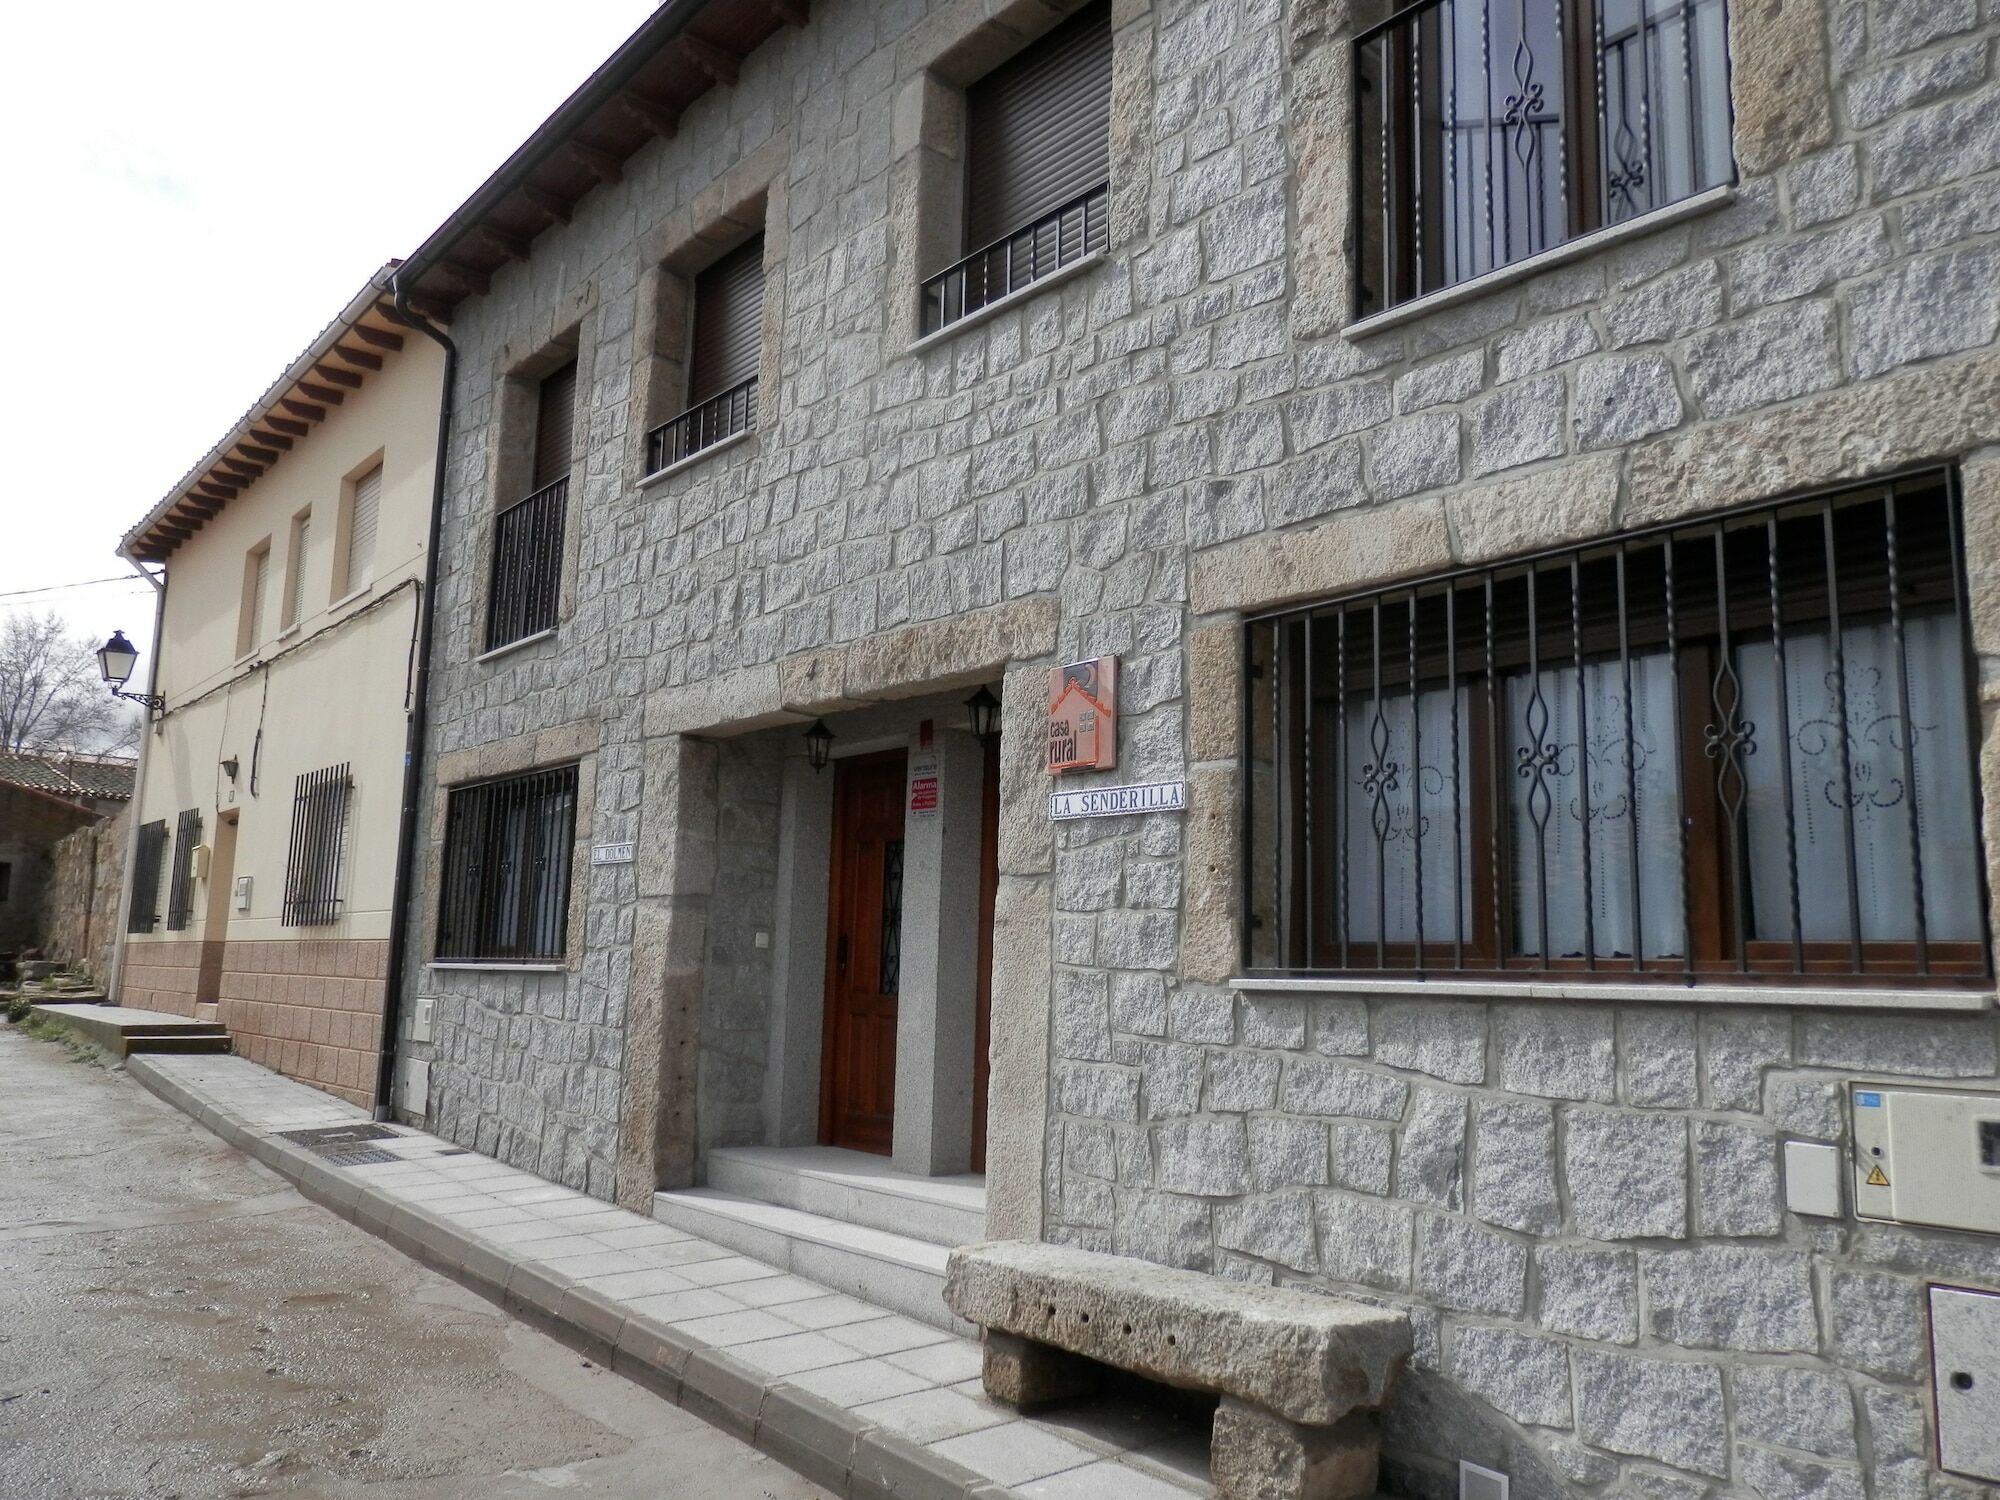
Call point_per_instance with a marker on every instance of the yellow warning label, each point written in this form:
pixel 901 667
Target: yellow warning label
pixel 1875 1178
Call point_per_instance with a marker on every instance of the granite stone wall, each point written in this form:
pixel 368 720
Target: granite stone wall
pixel 80 901
pixel 1577 1201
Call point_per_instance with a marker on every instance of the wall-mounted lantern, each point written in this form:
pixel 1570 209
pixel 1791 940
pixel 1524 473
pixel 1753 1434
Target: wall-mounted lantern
pixel 115 659
pixel 983 711
pixel 819 745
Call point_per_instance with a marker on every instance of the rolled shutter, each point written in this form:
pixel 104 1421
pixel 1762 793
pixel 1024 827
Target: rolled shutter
pixel 295 591
pixel 260 582
pixel 555 421
pixel 1038 128
pixel 728 322
pixel 362 524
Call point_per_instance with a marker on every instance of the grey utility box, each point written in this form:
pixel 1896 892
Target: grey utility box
pixel 1965 1374
pixel 1927 1156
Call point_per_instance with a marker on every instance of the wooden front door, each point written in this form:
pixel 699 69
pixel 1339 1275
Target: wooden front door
pixel 863 953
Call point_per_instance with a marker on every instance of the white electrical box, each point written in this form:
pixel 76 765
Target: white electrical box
pixel 1812 1179
pixel 202 855
pixel 1965 1379
pixel 1927 1156
pixel 421 1014
pixel 243 893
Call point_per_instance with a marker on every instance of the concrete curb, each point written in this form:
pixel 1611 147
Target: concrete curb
pixel 827 1444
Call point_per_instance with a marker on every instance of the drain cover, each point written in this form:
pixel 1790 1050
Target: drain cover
pixel 333 1137
pixel 358 1156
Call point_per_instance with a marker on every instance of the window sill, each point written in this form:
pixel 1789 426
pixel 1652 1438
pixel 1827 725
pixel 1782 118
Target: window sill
pixel 1009 302
pixel 498 967
pixel 348 598
pixel 290 630
pixel 1534 265
pixel 526 640
pixel 1664 992
pixel 681 465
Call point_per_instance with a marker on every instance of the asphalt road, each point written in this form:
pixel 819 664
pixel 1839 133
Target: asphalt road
pixel 177 1323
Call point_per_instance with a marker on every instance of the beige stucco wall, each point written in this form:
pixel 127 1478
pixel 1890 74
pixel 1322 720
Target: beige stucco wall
pixel 327 691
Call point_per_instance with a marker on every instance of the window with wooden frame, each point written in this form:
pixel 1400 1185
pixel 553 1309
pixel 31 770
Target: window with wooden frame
pixel 1488 131
pixel 727 344
pixel 318 849
pixel 256 589
pixel 149 855
pixel 508 846
pixel 528 535
pixel 1037 168
pixel 1739 747
pixel 295 568
pixel 180 891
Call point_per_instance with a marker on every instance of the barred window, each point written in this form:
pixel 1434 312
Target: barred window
pixel 180 892
pixel 318 848
pixel 528 534
pixel 507 851
pixel 1744 746
pixel 1490 130
pixel 149 854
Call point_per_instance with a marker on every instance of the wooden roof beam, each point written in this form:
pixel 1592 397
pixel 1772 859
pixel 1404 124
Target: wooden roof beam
pixel 510 245
pixel 656 114
pixel 257 455
pixel 271 439
pixel 217 489
pixel 379 338
pixel 304 409
pixel 243 466
pixel 552 207
pixel 600 163
pixel 470 277
pixel 718 63
pixel 358 357
pixel 286 425
pixel 337 376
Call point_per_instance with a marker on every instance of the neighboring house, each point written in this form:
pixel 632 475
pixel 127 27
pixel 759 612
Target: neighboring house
pixel 43 800
pixel 265 854
pixel 1537 469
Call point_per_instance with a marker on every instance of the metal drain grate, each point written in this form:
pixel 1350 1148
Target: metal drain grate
pixel 334 1137
pixel 359 1156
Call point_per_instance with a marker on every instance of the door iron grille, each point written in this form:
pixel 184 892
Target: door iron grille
pixel 508 849
pixel 180 893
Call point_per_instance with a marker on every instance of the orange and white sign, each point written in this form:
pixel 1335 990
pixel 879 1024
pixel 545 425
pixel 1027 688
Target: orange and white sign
pixel 1083 716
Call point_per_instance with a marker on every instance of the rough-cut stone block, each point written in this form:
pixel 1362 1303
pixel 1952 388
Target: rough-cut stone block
pixel 1307 1358
pixel 1514 1166
pixel 1731 1297
pixel 1627 1174
pixel 1254 1455
pixel 1671 1410
pixel 1443 1038
pixel 1026 1374
pixel 1475 1270
pixel 1812 1410
pixel 1558 1052
pixel 1524 1376
pixel 1365 1241
pixel 1591 1294
pixel 1430 1163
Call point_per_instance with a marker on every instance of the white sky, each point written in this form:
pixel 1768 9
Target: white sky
pixel 192 192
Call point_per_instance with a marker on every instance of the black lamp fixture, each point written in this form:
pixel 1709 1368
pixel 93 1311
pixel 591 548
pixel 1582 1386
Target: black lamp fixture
pixel 819 745
pixel 983 711
pixel 232 766
pixel 115 659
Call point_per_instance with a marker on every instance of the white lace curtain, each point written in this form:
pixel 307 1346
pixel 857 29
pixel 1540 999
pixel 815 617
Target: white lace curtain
pixel 1411 767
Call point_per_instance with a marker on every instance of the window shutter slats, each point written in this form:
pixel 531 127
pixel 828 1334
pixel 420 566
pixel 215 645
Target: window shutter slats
pixel 259 585
pixel 1038 128
pixel 728 322
pixel 555 421
pixel 361 529
pixel 295 591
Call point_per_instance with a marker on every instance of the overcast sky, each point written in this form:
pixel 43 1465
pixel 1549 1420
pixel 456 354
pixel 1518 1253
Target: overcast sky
pixel 192 192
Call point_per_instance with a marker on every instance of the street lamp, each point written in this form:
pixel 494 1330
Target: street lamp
pixel 819 746
pixel 983 710
pixel 115 659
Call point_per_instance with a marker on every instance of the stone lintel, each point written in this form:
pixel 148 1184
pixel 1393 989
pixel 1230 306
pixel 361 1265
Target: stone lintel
pixel 1367 545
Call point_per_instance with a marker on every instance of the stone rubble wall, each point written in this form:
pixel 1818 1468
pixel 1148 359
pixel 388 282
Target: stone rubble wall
pixel 80 898
pixel 1578 1203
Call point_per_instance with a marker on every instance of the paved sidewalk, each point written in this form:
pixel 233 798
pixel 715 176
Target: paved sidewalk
pixel 862 1402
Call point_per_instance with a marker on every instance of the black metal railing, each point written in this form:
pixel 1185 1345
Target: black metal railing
pixel 1491 130
pixel 149 854
pixel 319 837
pixel 1745 746
pixel 1080 227
pixel 507 853
pixel 527 566
pixel 180 891
pixel 702 425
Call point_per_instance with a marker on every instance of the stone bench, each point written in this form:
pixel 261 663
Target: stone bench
pixel 1300 1376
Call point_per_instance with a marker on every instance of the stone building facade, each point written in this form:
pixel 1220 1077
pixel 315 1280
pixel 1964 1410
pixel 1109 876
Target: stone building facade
pixel 80 902
pixel 1576 1194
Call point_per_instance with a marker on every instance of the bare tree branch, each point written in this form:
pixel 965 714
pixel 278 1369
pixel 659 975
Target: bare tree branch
pixel 52 697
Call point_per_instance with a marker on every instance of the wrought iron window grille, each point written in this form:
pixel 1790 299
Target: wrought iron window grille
pixel 1740 746
pixel 508 849
pixel 180 892
pixel 149 854
pixel 527 566
pixel 702 425
pixel 1060 237
pixel 1491 130
pixel 320 801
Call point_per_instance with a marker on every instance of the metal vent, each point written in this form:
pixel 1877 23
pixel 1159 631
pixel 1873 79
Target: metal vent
pixel 1475 1483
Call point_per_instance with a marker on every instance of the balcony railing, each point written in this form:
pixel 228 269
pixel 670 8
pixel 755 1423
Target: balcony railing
pixel 702 426
pixel 527 566
pixel 1080 227
pixel 1491 130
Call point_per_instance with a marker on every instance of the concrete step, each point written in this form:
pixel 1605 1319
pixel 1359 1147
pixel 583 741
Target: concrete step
pixel 892 1271
pixel 123 1029
pixel 855 1188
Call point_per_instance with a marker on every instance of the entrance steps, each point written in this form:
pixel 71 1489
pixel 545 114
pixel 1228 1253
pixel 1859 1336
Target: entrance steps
pixel 845 1219
pixel 123 1030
